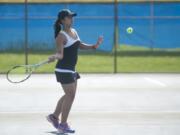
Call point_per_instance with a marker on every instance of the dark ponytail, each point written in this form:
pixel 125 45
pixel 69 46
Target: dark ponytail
pixel 57 27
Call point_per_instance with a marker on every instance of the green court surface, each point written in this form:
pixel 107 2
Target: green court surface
pixel 129 59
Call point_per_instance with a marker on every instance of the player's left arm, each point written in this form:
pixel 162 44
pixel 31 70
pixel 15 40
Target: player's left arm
pixel 89 46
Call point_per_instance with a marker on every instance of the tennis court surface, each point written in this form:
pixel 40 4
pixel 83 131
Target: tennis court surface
pixel 105 104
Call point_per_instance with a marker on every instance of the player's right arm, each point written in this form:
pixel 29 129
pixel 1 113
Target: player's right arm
pixel 60 41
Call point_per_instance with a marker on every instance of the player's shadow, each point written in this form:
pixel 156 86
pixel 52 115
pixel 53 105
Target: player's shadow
pixel 56 133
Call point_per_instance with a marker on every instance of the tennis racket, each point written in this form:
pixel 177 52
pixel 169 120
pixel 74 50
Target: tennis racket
pixel 21 73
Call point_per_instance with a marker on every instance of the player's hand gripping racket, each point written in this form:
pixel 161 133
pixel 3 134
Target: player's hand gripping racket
pixel 21 73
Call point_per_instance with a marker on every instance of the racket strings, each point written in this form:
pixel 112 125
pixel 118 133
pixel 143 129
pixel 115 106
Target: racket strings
pixel 22 72
pixel 19 74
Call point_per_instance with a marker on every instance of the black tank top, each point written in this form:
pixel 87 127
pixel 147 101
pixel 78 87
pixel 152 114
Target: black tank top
pixel 70 56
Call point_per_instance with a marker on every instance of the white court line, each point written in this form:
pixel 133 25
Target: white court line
pixel 97 112
pixel 155 81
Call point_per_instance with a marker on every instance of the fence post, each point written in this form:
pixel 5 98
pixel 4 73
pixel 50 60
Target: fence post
pixel 115 34
pixel 152 25
pixel 26 31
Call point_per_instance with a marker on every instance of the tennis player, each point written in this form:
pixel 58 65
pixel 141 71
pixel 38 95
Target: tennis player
pixel 68 43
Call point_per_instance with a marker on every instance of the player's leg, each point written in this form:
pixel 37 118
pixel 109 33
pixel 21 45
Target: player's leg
pixel 53 118
pixel 58 109
pixel 69 90
pixel 63 105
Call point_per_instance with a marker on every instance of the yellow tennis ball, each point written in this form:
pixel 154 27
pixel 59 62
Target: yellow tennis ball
pixel 129 30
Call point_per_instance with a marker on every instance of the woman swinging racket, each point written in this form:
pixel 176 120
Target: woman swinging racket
pixel 68 42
